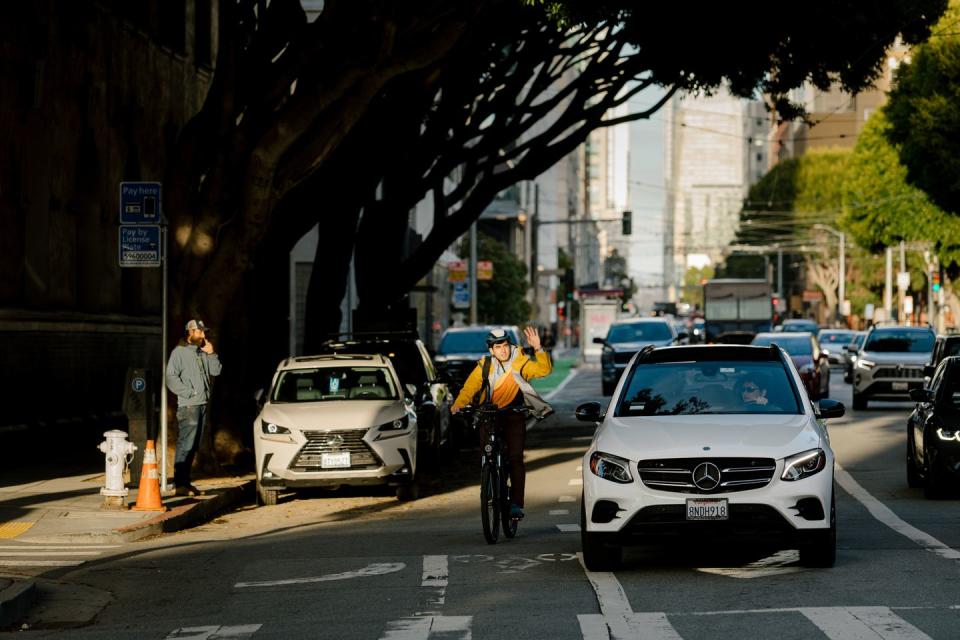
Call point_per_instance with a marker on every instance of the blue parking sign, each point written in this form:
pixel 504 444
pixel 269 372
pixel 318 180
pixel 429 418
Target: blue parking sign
pixel 140 246
pixel 140 202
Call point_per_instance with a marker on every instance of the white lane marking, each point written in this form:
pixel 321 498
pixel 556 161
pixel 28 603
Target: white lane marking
pixel 376 569
pixel 570 376
pixel 559 512
pixel 40 563
pixel 862 623
pixel 435 571
pixel 569 528
pixel 453 628
pixel 214 632
pixel 567 499
pixel 575 482
pixel 884 514
pixel 649 626
pixel 610 594
pixel 780 563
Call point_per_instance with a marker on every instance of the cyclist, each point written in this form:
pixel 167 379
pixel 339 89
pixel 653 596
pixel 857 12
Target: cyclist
pixel 502 378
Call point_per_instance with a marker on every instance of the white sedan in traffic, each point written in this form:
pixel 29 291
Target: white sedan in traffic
pixel 705 442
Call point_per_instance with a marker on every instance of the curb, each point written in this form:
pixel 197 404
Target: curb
pixel 188 515
pixel 15 601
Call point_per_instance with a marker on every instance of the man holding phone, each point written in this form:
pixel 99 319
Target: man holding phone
pixel 192 364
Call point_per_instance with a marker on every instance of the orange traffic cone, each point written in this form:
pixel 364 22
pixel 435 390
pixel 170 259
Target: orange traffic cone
pixel 148 494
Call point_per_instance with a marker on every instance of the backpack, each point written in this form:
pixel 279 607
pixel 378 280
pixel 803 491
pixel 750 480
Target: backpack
pixel 540 408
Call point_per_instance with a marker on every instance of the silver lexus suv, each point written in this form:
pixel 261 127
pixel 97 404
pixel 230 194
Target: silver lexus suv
pixel 890 363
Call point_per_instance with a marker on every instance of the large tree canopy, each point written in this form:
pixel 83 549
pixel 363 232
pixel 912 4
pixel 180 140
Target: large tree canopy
pixel 924 114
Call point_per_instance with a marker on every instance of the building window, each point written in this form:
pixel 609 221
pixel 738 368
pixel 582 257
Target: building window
pixel 172 22
pixel 201 34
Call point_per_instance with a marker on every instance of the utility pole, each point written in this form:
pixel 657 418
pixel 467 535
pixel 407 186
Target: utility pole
pixel 779 272
pixel 473 273
pixel 901 285
pixel 888 287
pixel 534 249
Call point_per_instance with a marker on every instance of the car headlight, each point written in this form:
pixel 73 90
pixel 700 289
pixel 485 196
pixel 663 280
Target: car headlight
pixel 803 465
pixel 396 425
pixel 866 364
pixel 272 428
pixel 609 467
pixel 948 434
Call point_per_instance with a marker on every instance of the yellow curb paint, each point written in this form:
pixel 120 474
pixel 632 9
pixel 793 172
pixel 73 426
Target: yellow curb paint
pixel 13 529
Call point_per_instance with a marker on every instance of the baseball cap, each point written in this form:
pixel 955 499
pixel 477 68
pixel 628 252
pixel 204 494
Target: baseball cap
pixel 196 324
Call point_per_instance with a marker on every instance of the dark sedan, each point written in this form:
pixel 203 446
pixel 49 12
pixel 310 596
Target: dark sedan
pixel 807 357
pixel 627 337
pixel 933 432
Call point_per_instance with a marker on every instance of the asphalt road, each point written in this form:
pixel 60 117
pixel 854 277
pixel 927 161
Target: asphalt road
pixel 362 565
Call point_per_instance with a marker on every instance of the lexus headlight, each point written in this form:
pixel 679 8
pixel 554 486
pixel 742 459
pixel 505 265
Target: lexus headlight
pixel 803 465
pixel 272 428
pixel 609 467
pixel 948 434
pixel 396 425
pixel 866 364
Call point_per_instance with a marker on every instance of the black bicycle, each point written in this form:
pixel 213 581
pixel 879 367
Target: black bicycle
pixel 494 474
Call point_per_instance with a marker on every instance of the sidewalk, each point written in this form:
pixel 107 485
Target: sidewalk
pixel 67 510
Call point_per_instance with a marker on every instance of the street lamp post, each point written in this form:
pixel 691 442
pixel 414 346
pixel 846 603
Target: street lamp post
pixel 843 264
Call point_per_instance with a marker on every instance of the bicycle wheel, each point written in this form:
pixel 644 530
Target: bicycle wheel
pixel 509 524
pixel 490 503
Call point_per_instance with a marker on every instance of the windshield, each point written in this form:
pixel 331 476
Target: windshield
pixel 468 341
pixel 334 383
pixel 686 388
pixel 794 345
pixel 639 332
pixel 800 325
pixel 835 337
pixel 900 341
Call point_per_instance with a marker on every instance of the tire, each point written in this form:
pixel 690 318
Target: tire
pixel 821 549
pixel 490 503
pixel 408 491
pixel 914 479
pixel 267 497
pixel 933 483
pixel 859 401
pixel 509 524
pixel 597 555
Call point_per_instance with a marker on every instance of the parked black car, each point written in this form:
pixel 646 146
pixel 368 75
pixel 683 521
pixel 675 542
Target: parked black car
pixel 944 347
pixel 414 366
pixel 933 432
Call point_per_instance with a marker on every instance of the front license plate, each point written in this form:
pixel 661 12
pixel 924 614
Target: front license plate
pixel 707 509
pixel 899 386
pixel 335 460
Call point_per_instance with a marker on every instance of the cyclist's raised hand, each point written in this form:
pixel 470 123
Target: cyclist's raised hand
pixel 533 338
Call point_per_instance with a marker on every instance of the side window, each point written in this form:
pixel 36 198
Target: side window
pixel 427 363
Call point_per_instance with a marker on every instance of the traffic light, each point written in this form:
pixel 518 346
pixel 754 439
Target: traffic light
pixel 936 281
pixel 627 223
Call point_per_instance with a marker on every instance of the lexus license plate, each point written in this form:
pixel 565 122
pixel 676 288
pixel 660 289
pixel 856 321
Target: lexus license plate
pixel 707 509
pixel 335 460
pixel 899 386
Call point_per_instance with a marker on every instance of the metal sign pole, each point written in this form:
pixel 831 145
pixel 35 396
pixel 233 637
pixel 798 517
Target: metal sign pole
pixel 163 363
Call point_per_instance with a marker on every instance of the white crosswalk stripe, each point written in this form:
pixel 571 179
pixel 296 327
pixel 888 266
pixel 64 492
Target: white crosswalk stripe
pixel 50 555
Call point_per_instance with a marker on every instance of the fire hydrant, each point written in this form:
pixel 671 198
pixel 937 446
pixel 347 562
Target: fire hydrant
pixel 117 449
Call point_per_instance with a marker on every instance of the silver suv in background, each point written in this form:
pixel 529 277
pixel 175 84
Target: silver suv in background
pixel 890 363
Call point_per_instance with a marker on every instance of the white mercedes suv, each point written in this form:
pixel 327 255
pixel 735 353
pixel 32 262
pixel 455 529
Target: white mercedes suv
pixel 706 442
pixel 336 420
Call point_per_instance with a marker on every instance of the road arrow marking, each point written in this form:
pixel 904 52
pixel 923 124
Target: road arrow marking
pixel 376 569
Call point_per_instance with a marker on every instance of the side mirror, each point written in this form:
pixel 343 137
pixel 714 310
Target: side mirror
pixel 411 390
pixel 259 396
pixel 928 370
pixel 589 412
pixel 829 408
pixel 921 395
pixel 599 341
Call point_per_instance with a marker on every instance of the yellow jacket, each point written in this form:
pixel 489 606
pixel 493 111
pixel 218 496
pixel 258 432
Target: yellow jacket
pixel 506 387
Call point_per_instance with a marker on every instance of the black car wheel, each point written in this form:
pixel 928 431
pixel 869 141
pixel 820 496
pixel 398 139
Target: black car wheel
pixel 933 476
pixel 914 479
pixel 597 556
pixel 821 548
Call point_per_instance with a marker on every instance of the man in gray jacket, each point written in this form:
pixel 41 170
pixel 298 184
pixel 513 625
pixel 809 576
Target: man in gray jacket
pixel 192 363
